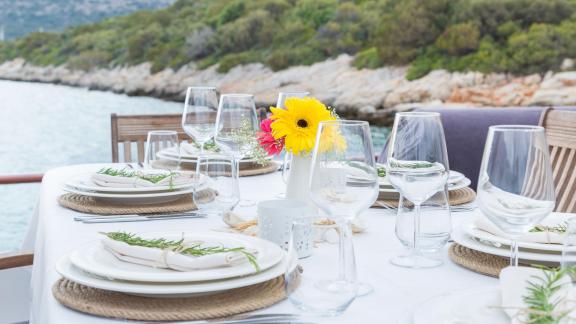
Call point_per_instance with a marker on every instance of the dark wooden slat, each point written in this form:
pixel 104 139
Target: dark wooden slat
pixel 20 178
pixel 15 260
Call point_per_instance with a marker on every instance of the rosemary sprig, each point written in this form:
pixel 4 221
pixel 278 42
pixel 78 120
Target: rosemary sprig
pixel 179 246
pixel 561 228
pixel 154 178
pixel 541 308
pixel 410 165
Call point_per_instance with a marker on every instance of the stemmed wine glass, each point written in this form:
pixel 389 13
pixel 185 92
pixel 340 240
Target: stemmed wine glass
pixel 343 183
pixel 417 166
pixel 236 127
pixel 199 116
pixel 515 185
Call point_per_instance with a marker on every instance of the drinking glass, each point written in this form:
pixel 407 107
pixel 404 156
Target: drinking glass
pixel 282 96
pixel 515 185
pixel 217 188
pixel 162 151
pixel 236 127
pixel 343 183
pixel 198 118
pixel 435 226
pixel 417 166
pixel 314 285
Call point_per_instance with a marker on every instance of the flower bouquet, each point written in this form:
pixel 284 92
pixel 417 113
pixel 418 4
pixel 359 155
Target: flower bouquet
pixel 293 130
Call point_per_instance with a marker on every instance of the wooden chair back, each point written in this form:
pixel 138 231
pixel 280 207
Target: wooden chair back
pixel 560 128
pixel 133 129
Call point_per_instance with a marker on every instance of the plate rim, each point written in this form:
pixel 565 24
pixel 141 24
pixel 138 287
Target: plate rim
pixel 64 266
pixel 460 237
pixel 79 260
pixel 97 188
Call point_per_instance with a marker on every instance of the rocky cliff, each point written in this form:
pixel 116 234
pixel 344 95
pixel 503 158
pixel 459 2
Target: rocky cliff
pixel 367 94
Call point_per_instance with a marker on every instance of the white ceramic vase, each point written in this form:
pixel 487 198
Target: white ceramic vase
pixel 297 186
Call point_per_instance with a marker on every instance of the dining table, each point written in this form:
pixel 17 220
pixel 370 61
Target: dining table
pixel 398 291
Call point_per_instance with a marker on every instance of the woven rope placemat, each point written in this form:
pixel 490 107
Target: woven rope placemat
pixel 118 305
pixel 90 205
pixel 456 197
pixel 480 262
pixel 247 170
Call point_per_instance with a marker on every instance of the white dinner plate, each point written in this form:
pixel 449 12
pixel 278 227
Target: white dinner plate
pixel 94 258
pixel 178 289
pixel 470 306
pixel 470 229
pixel 459 236
pixel 455 176
pixel 83 182
pixel 133 198
pixel 451 187
pixel 171 155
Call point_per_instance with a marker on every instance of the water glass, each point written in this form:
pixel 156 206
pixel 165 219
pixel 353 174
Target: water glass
pixel 199 116
pixel 236 124
pixel 282 96
pixel 435 223
pixel 217 189
pixel 515 184
pixel 569 246
pixel 417 166
pixel 343 180
pixel 162 151
pixel 316 285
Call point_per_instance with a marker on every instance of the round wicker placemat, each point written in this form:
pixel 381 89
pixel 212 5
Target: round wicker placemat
pixel 456 197
pixel 251 169
pixel 118 305
pixel 90 205
pixel 484 263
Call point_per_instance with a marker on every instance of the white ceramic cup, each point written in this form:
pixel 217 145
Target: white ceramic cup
pixel 275 219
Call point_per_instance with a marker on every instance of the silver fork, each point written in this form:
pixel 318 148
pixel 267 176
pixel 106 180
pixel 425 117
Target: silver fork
pixel 256 319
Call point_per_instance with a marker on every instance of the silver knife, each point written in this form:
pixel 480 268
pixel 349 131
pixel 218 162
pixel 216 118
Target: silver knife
pixel 135 219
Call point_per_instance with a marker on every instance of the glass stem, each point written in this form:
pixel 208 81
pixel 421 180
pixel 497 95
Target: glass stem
pixel 344 247
pixel 416 238
pixel 514 253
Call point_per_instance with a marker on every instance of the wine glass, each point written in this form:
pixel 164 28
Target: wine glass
pixel 236 127
pixel 162 151
pixel 515 185
pixel 343 183
pixel 282 96
pixel 198 118
pixel 217 191
pixel 417 166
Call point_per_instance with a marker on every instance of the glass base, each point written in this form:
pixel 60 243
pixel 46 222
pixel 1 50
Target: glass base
pixel 246 203
pixel 415 261
pixel 364 289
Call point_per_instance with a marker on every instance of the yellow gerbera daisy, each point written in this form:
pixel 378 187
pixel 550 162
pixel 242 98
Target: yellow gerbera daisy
pixel 298 123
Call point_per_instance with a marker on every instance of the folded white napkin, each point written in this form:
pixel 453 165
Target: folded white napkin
pixel 486 225
pixel 104 180
pixel 166 259
pixel 514 283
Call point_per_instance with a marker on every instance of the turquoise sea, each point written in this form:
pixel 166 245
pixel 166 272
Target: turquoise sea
pixel 45 126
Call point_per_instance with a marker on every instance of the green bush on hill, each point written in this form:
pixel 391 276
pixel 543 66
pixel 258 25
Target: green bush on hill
pixel 516 36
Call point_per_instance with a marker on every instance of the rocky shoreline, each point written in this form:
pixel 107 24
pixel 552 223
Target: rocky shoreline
pixel 366 94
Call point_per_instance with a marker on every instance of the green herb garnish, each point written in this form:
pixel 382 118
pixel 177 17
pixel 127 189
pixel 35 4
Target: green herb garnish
pixel 410 165
pixel 179 246
pixel 541 309
pixel 560 229
pixel 381 171
pixel 246 137
pixel 154 178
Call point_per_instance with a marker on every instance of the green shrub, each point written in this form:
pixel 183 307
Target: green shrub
pixel 284 58
pixel 231 60
pixel 232 12
pixel 368 59
pixel 459 39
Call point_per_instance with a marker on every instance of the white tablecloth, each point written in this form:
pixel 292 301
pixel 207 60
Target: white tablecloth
pixel 397 290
